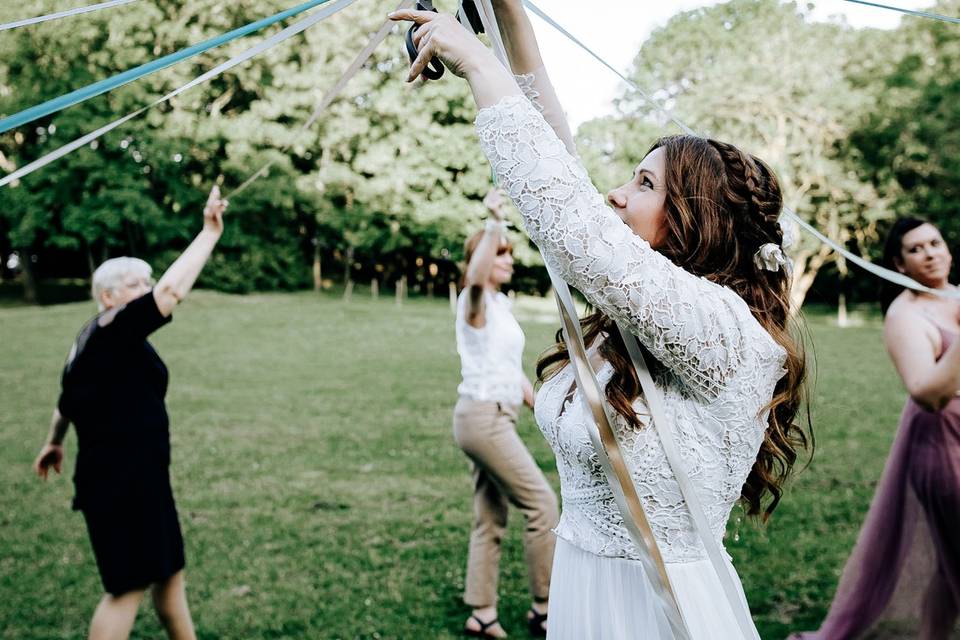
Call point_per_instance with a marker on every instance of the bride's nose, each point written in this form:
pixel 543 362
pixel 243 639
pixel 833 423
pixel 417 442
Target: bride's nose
pixel 616 198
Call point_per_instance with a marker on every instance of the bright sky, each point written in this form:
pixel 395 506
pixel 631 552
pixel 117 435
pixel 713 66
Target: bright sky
pixel 614 29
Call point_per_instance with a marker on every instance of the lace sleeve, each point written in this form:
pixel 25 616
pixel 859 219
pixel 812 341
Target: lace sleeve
pixel 689 324
pixel 539 90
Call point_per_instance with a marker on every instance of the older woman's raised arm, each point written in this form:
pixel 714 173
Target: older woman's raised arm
pixel 177 281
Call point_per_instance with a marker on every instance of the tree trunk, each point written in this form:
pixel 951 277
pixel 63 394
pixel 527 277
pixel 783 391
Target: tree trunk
pixel 842 320
pixel 29 278
pixel 317 272
pixel 348 271
pixel 805 268
pixel 90 263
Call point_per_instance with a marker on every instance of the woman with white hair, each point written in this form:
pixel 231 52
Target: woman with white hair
pixel 113 389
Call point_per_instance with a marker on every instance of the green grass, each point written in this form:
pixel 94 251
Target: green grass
pixel 321 494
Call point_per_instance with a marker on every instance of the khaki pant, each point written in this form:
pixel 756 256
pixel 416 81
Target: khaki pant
pixel 504 473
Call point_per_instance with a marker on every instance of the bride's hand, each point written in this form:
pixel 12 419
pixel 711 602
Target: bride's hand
pixel 442 36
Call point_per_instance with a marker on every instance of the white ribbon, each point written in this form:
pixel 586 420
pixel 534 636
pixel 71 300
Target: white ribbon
pixel 64 14
pixel 877 270
pixel 624 491
pixel 909 12
pixel 289 32
pixel 330 95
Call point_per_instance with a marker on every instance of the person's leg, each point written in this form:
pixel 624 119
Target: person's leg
pixel 170 601
pixel 114 617
pixel 506 459
pixel 941 603
pixel 472 424
pixel 525 486
pixel 935 477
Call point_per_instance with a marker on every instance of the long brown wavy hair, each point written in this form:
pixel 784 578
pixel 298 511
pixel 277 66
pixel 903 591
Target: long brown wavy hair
pixel 721 205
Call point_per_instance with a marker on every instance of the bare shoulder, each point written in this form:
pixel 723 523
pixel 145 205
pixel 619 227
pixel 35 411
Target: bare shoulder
pixel 906 324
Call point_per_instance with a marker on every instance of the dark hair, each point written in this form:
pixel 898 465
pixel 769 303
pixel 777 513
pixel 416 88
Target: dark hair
pixel 721 206
pixel 892 251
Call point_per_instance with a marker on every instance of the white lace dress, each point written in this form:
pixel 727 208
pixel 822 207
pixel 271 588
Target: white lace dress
pixel 721 369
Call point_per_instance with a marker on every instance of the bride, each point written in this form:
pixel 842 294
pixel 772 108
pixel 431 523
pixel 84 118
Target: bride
pixel 686 255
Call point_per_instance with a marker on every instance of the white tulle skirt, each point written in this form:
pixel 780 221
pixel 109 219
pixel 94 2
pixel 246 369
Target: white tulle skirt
pixel 597 598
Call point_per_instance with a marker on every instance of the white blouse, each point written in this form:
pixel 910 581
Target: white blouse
pixel 720 365
pixel 491 357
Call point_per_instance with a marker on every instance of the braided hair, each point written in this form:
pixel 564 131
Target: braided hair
pixel 722 205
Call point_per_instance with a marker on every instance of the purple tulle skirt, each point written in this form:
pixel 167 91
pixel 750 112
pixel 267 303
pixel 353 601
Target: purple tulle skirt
pixel 902 579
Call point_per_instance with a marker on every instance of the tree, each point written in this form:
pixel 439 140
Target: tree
pixel 759 74
pixel 909 146
pixel 391 172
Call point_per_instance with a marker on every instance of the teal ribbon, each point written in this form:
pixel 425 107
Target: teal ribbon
pixel 108 84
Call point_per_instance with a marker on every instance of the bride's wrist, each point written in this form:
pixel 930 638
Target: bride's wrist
pixel 490 83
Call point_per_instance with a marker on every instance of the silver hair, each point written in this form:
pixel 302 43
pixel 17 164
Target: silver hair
pixel 111 273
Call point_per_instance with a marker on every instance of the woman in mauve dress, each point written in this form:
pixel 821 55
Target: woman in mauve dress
pixel 903 578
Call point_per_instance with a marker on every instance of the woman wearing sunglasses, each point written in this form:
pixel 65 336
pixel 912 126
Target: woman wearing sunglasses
pixel 490 343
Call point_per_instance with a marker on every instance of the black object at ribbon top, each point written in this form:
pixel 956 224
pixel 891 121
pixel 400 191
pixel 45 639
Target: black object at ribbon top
pixel 467 15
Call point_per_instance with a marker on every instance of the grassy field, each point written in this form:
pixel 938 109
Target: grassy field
pixel 320 491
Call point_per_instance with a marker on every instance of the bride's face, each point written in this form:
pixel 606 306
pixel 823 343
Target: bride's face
pixel 640 202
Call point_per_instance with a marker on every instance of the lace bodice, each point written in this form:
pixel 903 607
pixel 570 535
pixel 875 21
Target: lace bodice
pixel 720 365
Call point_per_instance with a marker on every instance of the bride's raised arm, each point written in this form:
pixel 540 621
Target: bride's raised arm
pixel 523 52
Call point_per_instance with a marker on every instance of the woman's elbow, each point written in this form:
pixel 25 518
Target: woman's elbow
pixel 167 296
pixel 931 399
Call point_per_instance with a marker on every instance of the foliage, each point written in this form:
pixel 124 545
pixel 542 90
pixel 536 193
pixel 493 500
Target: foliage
pixel 909 146
pixel 390 173
pixel 860 125
pixel 762 75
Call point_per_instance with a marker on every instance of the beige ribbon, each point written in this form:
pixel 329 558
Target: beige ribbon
pixel 603 437
pixel 612 461
pixel 715 552
pixel 327 99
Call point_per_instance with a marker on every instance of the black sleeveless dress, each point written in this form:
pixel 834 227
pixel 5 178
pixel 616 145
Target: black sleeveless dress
pixel 113 389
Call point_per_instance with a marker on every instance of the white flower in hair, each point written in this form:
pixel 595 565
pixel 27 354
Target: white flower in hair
pixel 789 230
pixel 770 257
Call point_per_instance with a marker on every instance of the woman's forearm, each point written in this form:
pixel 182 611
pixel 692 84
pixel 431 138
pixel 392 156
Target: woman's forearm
pixel 491 82
pixel 518 36
pixel 478 273
pixel 481 264
pixel 58 428
pixel 177 281
pixel 520 41
pixel 943 382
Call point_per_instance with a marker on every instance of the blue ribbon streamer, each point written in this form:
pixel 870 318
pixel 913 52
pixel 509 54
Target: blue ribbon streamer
pixel 108 84
pixel 257 49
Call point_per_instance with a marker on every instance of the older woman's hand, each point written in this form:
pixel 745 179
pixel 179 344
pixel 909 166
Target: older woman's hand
pixel 51 455
pixel 442 36
pixel 213 211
